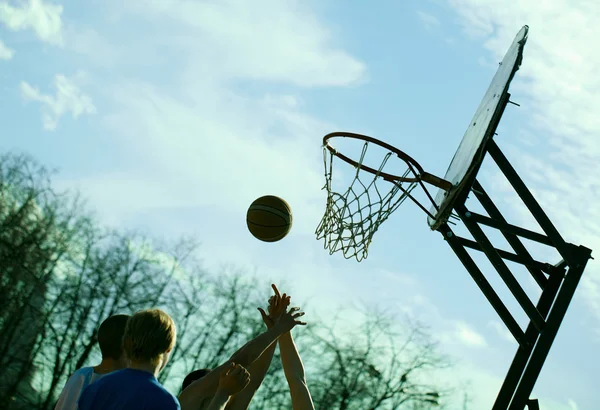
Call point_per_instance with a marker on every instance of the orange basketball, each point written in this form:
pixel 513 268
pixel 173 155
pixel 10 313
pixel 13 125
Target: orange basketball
pixel 269 218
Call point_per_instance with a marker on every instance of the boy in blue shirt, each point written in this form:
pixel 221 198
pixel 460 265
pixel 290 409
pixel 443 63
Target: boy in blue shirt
pixel 148 341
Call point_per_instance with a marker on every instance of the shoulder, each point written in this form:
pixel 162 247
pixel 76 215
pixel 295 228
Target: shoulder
pixel 72 390
pixel 113 376
pixel 165 398
pixel 79 379
pixel 82 373
pixel 171 402
pixel 98 382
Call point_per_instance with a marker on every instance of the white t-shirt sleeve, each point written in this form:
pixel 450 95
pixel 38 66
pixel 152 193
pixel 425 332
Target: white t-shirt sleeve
pixel 70 394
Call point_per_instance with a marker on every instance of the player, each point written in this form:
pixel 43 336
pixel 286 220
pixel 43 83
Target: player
pixel 149 338
pixel 195 395
pixel 258 369
pixel 110 335
pixel 290 359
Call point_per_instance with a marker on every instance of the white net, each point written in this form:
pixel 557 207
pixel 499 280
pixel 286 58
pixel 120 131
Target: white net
pixel 351 218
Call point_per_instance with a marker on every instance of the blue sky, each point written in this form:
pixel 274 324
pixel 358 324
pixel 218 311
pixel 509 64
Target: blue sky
pixel 172 116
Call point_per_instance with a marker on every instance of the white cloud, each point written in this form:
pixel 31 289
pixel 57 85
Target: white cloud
pixel 502 331
pixel 6 53
pixel 93 46
pixel 41 17
pixel 232 145
pixel 233 150
pixel 428 20
pixel 270 40
pixel 557 87
pixel 67 99
pixel 465 334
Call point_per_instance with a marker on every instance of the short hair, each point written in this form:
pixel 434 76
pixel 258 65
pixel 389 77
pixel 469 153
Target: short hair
pixel 193 376
pixel 110 336
pixel 148 335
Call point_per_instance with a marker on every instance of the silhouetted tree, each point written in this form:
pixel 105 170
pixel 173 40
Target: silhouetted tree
pixel 37 228
pixel 61 275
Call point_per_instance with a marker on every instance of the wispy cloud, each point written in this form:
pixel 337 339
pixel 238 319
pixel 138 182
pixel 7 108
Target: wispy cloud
pixel 6 53
pixel 502 331
pixel 428 20
pixel 67 99
pixel 558 87
pixel 467 335
pixel 210 132
pixel 252 40
pixel 43 18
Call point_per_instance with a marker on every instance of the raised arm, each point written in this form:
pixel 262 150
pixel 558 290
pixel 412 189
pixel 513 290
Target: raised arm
pixel 294 373
pixel 195 393
pixel 290 358
pixel 231 381
pixel 258 369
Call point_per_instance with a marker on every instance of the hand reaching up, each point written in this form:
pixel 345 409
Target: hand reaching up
pixel 277 305
pixel 233 379
pixel 289 319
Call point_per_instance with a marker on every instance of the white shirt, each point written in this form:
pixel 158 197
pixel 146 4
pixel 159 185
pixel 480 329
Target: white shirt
pixel 78 381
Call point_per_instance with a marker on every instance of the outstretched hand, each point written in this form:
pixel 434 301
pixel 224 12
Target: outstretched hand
pixel 233 379
pixel 289 319
pixel 277 305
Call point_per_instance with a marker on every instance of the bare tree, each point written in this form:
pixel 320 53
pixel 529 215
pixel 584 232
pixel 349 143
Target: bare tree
pixel 36 227
pixel 378 365
pixel 61 275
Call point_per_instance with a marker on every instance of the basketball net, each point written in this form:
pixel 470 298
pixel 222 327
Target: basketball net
pixel 351 218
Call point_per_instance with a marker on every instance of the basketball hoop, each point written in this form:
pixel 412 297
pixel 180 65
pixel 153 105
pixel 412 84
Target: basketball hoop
pixel 351 218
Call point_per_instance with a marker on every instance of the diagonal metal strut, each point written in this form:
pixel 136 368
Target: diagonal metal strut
pixel 558 282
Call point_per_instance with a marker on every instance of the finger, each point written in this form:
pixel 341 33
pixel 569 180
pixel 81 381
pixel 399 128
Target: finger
pixel 263 313
pixel 229 369
pixel 298 315
pixel 292 310
pixel 275 290
pixel 245 382
pixel 299 322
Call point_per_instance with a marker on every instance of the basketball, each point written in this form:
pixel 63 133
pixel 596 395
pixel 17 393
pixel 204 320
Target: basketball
pixel 269 218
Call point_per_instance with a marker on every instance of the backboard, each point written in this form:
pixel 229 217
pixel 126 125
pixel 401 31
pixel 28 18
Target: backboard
pixel 471 151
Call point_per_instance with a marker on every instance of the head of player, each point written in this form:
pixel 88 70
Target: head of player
pixel 110 341
pixel 148 341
